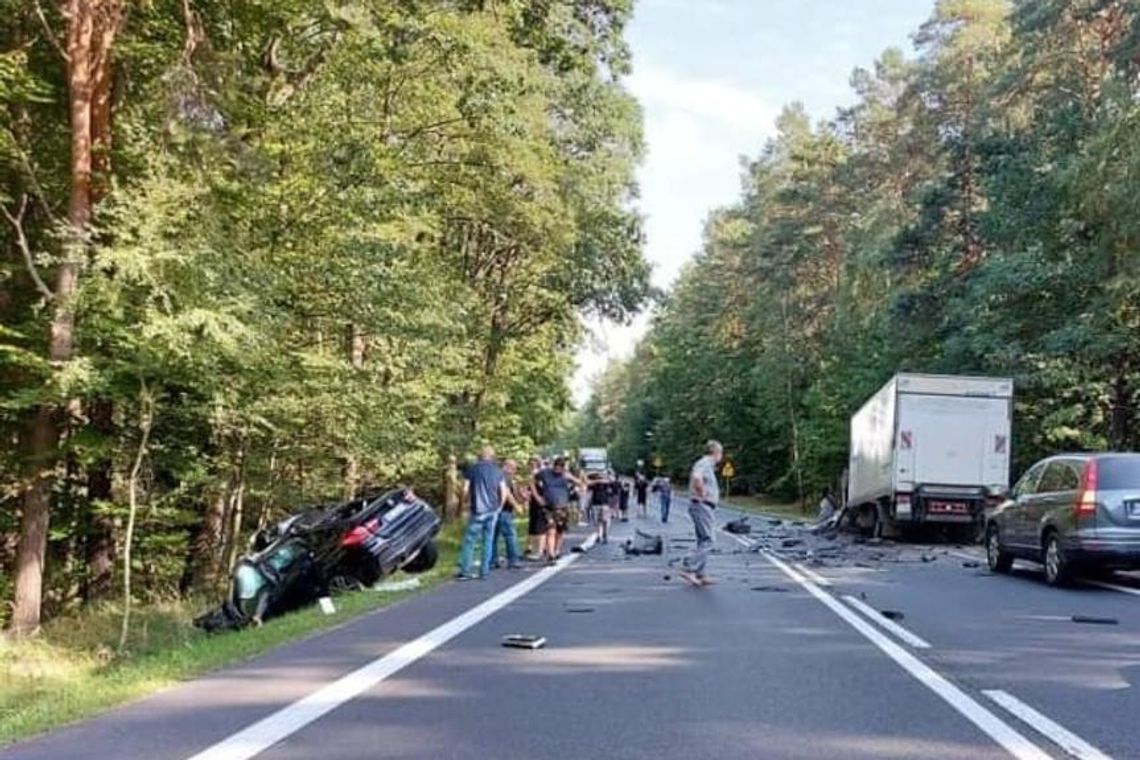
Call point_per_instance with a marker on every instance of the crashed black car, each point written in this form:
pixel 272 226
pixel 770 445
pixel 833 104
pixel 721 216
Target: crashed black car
pixel 326 549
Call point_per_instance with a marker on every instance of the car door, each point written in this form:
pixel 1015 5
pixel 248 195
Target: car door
pixel 1015 526
pixel 1053 501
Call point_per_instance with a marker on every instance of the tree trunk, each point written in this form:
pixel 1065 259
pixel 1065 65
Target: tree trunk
pixel 203 557
pixel 145 424
pixel 100 526
pixel 91 28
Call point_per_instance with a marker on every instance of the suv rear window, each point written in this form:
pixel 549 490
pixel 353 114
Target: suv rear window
pixel 1114 473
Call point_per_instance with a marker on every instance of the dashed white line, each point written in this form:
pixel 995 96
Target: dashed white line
pixel 816 578
pixel 993 726
pixel 1058 734
pixel 887 624
pixel 260 736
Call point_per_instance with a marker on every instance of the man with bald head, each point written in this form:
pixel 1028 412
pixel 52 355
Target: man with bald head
pixel 485 491
pixel 704 493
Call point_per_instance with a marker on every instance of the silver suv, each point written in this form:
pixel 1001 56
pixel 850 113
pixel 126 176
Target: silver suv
pixel 1071 513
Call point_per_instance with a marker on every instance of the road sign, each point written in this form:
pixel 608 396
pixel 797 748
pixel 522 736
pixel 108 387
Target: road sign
pixel 728 471
pixel 658 463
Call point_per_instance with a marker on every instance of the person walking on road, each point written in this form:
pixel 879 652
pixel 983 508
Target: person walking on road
pixel 664 490
pixel 600 515
pixel 505 524
pixel 552 489
pixel 704 494
pixel 536 515
pixel 641 488
pixel 485 490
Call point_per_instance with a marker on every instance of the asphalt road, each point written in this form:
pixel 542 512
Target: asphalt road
pixel 778 660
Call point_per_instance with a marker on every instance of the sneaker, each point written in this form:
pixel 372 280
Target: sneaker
pixel 691 578
pixel 465 577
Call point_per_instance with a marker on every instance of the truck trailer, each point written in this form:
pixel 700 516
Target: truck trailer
pixel 930 449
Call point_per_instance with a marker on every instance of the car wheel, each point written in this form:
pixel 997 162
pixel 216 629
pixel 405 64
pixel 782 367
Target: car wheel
pixel 999 560
pixel 1057 571
pixel 344 584
pixel 424 560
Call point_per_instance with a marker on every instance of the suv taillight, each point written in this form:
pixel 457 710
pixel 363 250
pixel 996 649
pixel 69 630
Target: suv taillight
pixel 1086 494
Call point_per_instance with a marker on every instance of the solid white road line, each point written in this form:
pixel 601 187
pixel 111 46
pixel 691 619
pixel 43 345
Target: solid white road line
pixel 993 726
pixel 886 623
pixel 1058 734
pixel 260 736
pixel 816 578
pixel 1112 586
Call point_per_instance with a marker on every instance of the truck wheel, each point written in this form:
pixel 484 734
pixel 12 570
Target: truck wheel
pixel 424 560
pixel 999 560
pixel 1057 570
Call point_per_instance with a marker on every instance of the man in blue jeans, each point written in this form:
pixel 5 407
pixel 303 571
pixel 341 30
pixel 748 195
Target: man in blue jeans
pixel 485 489
pixel 505 525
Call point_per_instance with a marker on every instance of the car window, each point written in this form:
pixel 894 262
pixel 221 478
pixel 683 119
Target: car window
pixel 1059 477
pixel 1028 483
pixel 1118 473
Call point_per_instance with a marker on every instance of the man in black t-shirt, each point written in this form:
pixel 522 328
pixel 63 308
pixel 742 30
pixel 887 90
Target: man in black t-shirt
pixel 552 489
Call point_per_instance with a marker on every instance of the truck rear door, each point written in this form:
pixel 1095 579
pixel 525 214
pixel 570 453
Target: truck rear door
pixel 953 440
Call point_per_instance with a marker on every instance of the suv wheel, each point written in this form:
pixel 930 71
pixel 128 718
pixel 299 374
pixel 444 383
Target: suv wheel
pixel 1057 571
pixel 999 560
pixel 424 560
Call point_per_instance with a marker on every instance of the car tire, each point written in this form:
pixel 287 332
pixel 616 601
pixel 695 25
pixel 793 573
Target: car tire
pixel 998 559
pixel 424 560
pixel 1057 570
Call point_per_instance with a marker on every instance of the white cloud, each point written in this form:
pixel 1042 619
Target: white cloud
pixel 696 129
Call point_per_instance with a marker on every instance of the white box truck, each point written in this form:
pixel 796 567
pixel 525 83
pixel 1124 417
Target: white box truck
pixel 930 449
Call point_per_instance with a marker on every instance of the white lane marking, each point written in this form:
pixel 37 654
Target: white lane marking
pixel 1058 734
pixel 258 737
pixel 816 578
pixel 993 726
pixel 887 624
pixel 1112 587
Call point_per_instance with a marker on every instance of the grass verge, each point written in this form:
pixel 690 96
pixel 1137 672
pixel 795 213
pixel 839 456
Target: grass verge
pixel 72 671
pixel 764 506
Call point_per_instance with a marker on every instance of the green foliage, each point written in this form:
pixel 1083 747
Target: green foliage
pixel 973 212
pixel 339 242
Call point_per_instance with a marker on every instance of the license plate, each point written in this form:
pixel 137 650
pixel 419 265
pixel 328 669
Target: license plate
pixel 949 507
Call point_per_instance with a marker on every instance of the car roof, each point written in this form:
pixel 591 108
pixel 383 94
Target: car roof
pixel 1092 455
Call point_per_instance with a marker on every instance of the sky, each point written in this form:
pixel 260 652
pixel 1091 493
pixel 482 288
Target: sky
pixel 711 76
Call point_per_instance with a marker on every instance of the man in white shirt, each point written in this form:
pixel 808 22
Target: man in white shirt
pixel 704 494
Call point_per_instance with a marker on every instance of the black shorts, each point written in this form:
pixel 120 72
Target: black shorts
pixel 536 520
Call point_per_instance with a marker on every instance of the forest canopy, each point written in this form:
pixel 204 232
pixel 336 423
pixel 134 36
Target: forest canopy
pixel 262 253
pixel 975 211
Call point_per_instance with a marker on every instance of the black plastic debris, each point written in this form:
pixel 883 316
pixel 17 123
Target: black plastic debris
pixel 971 564
pixel 579 610
pixel 739 527
pixel 788 542
pixel 773 589
pixel 1095 620
pixel 892 614
pixel 644 543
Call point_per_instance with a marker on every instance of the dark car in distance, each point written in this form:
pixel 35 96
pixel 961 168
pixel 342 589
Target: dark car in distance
pixel 1073 513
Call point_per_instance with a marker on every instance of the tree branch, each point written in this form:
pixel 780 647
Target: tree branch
pixel 55 43
pixel 17 223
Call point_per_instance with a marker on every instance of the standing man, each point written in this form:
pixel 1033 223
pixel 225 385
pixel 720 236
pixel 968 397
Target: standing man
pixel 704 494
pixel 600 508
pixel 485 490
pixel 641 488
pixel 664 491
pixel 552 489
pixel 536 515
pixel 505 524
